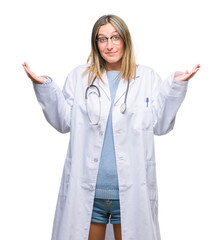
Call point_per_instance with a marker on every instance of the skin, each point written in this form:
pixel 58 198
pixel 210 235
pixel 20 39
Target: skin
pixel 188 75
pixel 113 62
pixel 32 75
pixel 97 231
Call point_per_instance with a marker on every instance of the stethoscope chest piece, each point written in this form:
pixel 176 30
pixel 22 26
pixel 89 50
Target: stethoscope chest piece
pixel 123 107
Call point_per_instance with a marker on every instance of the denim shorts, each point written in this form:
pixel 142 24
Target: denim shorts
pixel 105 209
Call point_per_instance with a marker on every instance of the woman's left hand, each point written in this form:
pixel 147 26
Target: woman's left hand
pixel 187 75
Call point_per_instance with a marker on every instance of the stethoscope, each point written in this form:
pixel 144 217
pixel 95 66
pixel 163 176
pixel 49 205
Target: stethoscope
pixel 122 108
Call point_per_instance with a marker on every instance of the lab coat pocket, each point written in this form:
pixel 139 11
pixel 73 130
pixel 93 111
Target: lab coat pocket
pixel 151 179
pixel 87 184
pixel 65 177
pixel 142 118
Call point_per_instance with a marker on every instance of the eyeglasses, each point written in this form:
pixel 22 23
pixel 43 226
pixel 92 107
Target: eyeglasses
pixel 115 39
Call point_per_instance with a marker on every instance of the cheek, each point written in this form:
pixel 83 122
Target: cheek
pixel 100 50
pixel 121 49
pixel 121 53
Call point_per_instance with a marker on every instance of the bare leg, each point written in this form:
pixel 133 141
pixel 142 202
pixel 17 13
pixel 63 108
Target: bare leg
pixel 97 231
pixel 117 231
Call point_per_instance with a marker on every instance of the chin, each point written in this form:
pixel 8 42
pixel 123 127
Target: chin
pixel 112 60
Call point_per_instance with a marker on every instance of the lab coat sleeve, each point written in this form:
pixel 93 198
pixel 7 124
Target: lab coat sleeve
pixel 56 104
pixel 167 97
pixel 48 81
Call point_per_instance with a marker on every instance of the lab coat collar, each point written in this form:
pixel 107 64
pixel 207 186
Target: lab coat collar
pixel 122 87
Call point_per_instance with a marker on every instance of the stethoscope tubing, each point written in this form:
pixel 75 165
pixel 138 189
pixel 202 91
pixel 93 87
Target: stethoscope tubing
pixel 122 108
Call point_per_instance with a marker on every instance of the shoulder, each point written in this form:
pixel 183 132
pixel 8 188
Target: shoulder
pixel 147 76
pixel 79 70
pixel 144 70
pixel 75 76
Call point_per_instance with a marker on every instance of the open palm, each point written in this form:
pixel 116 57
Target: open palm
pixel 36 79
pixel 187 75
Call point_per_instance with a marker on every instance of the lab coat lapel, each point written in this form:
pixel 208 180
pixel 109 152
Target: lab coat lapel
pixel 122 87
pixel 104 86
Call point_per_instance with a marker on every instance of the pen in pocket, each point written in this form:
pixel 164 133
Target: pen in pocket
pixel 147 102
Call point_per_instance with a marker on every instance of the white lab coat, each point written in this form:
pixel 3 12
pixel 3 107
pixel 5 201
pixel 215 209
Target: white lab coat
pixel 134 149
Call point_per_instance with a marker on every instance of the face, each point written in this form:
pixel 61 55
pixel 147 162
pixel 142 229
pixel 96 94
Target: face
pixel 111 52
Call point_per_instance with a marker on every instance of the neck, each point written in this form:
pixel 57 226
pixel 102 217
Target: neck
pixel 113 66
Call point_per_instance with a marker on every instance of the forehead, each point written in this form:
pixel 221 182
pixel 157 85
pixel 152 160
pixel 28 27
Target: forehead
pixel 106 29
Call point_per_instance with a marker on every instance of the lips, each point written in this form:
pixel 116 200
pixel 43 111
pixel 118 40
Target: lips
pixel 110 53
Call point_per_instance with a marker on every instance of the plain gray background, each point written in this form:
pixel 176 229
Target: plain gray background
pixel 54 37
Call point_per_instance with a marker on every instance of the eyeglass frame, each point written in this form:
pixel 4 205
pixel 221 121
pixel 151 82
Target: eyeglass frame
pixel 106 41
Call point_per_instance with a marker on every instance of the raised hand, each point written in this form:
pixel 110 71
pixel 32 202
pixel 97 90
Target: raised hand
pixel 33 76
pixel 187 75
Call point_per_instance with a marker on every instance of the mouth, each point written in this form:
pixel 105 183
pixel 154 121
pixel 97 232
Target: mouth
pixel 110 53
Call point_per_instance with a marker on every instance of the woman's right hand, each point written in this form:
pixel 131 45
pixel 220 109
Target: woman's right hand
pixel 33 76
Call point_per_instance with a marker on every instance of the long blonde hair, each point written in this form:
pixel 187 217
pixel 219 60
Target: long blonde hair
pixel 97 63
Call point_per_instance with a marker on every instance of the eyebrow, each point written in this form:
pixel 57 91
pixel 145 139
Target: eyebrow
pixel 104 34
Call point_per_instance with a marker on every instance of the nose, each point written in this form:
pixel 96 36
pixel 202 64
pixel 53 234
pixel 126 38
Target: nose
pixel 109 44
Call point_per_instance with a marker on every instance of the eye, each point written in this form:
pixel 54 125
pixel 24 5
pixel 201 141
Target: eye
pixel 116 37
pixel 102 39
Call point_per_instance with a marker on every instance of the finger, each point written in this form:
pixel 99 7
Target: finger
pixel 197 66
pixel 25 63
pixel 30 73
pixel 27 66
pixel 27 70
pixel 194 70
pixel 192 74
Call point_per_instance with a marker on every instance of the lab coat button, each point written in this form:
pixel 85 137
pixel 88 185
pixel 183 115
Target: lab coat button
pixel 101 133
pixel 91 187
pixel 95 160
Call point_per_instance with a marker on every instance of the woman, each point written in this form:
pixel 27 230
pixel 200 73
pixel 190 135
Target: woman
pixel 112 108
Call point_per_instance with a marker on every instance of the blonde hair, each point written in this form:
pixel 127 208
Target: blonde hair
pixel 97 63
